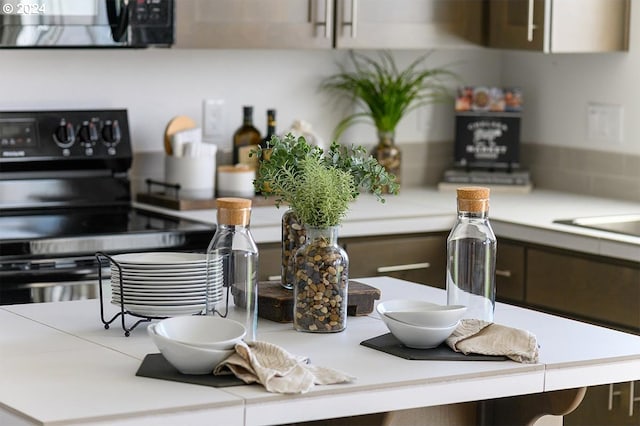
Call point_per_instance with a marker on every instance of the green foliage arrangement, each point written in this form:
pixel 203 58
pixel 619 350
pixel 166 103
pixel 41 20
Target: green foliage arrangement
pixel 322 194
pixel 386 93
pixel 319 185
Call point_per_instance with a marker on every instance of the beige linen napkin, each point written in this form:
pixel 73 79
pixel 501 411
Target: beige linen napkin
pixel 481 337
pixel 276 369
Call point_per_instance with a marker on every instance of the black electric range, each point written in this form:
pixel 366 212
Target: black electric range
pixel 64 196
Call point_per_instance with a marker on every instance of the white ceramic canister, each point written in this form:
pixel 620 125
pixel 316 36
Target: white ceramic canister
pixel 236 181
pixel 195 175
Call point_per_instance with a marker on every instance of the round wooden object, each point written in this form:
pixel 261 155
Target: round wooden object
pixel 177 124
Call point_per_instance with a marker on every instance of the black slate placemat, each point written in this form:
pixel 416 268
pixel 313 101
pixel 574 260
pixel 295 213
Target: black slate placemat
pixel 156 366
pixel 389 344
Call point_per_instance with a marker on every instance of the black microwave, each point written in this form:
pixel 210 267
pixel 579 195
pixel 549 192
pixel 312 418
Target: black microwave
pixel 86 23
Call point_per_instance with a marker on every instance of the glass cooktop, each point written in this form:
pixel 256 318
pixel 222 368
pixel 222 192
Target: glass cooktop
pixel 87 230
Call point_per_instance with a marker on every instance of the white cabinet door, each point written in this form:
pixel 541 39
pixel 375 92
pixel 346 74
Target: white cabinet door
pixel 559 26
pixel 262 24
pixel 408 24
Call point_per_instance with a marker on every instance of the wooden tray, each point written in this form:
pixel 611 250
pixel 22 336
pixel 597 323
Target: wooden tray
pixel 275 303
pixel 167 201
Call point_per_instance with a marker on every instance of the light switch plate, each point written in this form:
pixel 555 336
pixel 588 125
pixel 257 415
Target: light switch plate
pixel 604 123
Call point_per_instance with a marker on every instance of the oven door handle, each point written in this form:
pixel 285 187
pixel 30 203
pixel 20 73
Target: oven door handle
pixel 118 15
pixel 59 291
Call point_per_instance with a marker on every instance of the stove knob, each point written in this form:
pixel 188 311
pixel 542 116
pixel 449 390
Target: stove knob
pixel 64 135
pixel 111 132
pixel 87 133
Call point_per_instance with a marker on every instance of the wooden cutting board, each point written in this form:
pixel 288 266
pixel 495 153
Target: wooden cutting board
pixel 177 124
pixel 275 303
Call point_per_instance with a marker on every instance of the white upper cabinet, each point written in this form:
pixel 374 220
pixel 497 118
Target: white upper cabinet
pixel 559 26
pixel 407 24
pixel 231 24
pixel 325 24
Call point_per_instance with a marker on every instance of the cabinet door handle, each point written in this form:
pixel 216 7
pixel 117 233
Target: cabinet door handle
pixel 328 13
pixel 274 278
pixel 406 267
pixel 354 19
pixel 611 394
pixel 503 273
pixel 530 26
pixel 632 397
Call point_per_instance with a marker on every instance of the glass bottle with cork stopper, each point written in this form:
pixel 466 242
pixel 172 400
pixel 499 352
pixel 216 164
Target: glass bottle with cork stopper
pixel 235 246
pixel 471 255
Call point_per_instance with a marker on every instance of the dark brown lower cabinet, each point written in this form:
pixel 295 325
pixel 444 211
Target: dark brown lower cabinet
pixel 608 405
pixel 418 258
pixel 269 260
pixel 603 291
pixel 510 271
pixel 599 290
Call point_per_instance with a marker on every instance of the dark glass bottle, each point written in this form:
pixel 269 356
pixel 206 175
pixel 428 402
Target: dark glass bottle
pixel 271 128
pixel 245 139
pixel 265 143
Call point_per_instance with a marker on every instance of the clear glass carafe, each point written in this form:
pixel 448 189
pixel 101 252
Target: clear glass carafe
pixel 234 245
pixel 321 269
pixel 471 256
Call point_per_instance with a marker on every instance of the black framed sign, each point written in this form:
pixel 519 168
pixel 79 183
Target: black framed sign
pixel 487 129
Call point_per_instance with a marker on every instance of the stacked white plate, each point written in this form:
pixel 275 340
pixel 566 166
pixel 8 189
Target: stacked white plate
pixel 165 284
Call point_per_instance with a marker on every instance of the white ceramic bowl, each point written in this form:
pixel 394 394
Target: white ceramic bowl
pixel 418 337
pixel 203 331
pixel 413 336
pixel 421 313
pixel 185 358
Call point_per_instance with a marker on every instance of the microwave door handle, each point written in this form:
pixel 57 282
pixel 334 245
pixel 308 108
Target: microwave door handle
pixel 118 14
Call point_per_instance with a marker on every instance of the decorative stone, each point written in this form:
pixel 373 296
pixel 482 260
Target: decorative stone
pixel 321 279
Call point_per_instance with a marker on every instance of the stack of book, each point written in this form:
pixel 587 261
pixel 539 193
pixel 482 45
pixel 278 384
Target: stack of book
pixel 515 180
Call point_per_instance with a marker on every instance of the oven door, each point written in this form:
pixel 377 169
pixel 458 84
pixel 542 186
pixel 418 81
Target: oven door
pixel 50 255
pixel 86 23
pixel 52 280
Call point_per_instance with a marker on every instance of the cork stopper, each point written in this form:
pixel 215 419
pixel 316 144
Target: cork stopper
pixel 473 199
pixel 233 211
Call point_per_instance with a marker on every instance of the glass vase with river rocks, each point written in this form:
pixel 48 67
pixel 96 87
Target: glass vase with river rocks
pixel 293 237
pixel 321 269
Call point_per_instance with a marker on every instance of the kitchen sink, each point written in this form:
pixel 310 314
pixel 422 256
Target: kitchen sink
pixel 628 224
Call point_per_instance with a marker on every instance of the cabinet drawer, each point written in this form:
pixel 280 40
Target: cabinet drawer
pixel 510 272
pixel 604 292
pixel 420 259
pixel 269 260
pixel 607 405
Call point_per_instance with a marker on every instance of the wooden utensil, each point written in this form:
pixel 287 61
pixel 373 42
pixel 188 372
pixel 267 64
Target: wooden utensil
pixel 177 124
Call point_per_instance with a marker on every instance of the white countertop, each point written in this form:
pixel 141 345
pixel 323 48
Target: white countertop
pixel 526 217
pixel 58 365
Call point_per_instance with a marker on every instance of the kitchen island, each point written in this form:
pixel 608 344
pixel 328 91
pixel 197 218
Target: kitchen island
pixel 58 365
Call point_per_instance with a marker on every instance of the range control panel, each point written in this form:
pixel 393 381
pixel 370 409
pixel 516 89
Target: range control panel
pixel 85 139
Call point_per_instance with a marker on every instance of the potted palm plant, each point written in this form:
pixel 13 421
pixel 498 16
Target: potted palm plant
pixel 385 95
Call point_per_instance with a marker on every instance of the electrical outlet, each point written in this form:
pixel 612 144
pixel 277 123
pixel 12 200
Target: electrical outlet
pixel 604 122
pixel 213 118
